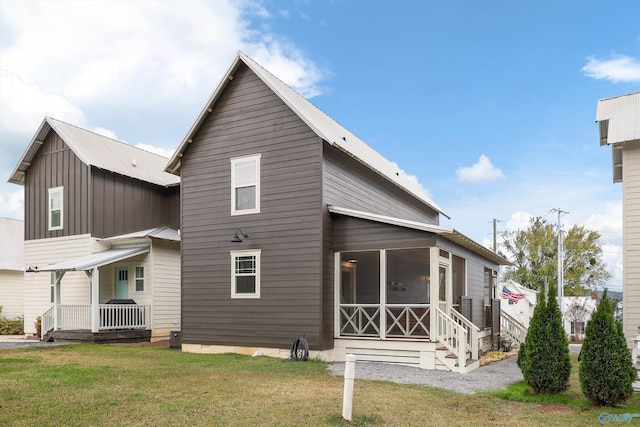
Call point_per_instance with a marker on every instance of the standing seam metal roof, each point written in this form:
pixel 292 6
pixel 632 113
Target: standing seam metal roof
pixel 623 114
pixel 323 125
pixel 99 151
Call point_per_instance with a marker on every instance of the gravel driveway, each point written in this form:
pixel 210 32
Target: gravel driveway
pixel 494 376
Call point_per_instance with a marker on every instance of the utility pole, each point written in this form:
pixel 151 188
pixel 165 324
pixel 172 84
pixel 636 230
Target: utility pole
pixel 560 262
pixel 495 244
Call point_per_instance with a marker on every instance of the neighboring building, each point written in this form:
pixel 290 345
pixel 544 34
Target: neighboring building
pixel 522 308
pixel 101 220
pixel 11 268
pixel 577 312
pixel 619 124
pixel 292 226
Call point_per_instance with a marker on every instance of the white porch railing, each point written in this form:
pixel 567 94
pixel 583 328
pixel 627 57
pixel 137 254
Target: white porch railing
pixel 400 321
pixel 452 335
pixel 472 333
pixel 112 317
pixel 512 327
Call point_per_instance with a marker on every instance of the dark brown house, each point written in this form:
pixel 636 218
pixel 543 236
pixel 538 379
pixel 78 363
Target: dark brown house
pixel 292 226
pixel 101 221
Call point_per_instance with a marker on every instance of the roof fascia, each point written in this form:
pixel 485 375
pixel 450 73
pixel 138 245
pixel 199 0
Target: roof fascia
pixel 27 156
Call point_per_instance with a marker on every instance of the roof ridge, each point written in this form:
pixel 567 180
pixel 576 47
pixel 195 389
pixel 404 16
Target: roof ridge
pixel 106 137
pixel 619 96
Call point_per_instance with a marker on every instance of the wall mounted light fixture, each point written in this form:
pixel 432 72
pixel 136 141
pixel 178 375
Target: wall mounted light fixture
pixel 236 238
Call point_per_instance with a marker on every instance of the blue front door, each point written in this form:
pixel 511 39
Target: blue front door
pixel 122 283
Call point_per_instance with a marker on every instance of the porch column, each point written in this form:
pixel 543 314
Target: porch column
pixel 95 298
pixel 434 288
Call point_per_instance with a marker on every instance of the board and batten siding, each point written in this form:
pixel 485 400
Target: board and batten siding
pixel 75 287
pixel 349 184
pixel 56 165
pixel 121 204
pixel 11 293
pixel 247 119
pixel 631 241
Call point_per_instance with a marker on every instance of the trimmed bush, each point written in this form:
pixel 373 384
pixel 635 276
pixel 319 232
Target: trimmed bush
pixel 11 326
pixel 544 358
pixel 606 370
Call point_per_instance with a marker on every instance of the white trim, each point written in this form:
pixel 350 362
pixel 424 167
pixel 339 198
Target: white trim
pixel 136 278
pixel 50 193
pixel 250 252
pixel 244 159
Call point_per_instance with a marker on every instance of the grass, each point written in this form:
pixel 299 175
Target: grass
pixel 151 385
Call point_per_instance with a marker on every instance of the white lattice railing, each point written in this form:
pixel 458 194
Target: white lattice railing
pixel 512 327
pixel 112 316
pixel 360 320
pixel 452 335
pixel 472 333
pixel 405 321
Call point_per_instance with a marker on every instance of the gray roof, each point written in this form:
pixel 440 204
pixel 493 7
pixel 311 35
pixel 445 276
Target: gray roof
pixel 11 244
pixel 623 116
pixel 99 151
pixel 98 259
pixel 447 233
pixel 323 125
pixel 164 233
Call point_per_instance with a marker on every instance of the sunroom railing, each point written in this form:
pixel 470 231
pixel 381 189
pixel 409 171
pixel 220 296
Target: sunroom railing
pixel 399 320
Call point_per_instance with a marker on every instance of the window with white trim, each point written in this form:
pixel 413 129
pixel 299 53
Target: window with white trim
pixel 245 274
pixel 139 279
pixel 245 185
pixel 55 208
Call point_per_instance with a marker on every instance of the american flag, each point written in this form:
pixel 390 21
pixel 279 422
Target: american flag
pixel 507 294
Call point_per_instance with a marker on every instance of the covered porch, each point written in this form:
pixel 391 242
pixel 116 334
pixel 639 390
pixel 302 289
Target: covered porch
pixel 118 320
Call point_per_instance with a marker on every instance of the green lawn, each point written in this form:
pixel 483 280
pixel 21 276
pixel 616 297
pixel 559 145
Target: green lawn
pixel 151 385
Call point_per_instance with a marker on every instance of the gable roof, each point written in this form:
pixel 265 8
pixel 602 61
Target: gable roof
pixel 11 244
pixel 324 126
pixel 163 233
pixel 99 151
pixel 448 233
pixel 619 118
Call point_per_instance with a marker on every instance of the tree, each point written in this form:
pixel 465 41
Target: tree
pixel 606 370
pixel 544 356
pixel 534 256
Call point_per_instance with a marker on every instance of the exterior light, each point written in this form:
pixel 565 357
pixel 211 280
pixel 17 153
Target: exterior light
pixel 236 238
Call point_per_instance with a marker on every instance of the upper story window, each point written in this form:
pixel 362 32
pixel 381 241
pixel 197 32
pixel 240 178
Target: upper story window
pixel 56 212
pixel 245 185
pixel 245 274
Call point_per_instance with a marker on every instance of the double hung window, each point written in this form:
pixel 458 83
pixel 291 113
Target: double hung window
pixel 245 274
pixel 245 185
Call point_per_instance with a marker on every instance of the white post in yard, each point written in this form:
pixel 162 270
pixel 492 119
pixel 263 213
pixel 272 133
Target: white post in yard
pixel 349 375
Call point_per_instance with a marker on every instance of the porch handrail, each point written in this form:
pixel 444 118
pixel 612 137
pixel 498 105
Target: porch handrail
pixel 360 320
pixel 472 333
pixel 409 321
pixel 452 335
pixel 512 327
pixel 46 322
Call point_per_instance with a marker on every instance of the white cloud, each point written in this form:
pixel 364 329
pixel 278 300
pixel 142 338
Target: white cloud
pixel 65 58
pixel 12 204
pixel 482 170
pixel 518 221
pixel 618 68
pixel 158 150
pixel 24 106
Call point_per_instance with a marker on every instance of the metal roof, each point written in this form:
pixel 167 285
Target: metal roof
pixel 11 244
pixel 98 259
pixel 164 233
pixel 622 114
pixel 447 233
pixel 99 151
pixel 324 126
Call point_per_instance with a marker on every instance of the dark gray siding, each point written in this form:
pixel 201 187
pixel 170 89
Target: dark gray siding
pixel 249 119
pixel 353 234
pixel 475 277
pixel 349 184
pixel 56 165
pixel 122 204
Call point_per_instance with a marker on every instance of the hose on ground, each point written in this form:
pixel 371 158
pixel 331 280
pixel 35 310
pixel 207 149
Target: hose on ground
pixel 299 350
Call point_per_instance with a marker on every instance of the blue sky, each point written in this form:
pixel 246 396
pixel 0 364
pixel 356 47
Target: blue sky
pixel 490 105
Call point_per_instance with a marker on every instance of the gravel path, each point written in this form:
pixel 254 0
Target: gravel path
pixel 494 376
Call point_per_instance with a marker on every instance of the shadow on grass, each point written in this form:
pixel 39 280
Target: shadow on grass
pixel 336 420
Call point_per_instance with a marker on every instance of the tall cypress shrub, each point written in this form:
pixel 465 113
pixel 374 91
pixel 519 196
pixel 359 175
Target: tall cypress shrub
pixel 606 370
pixel 544 359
